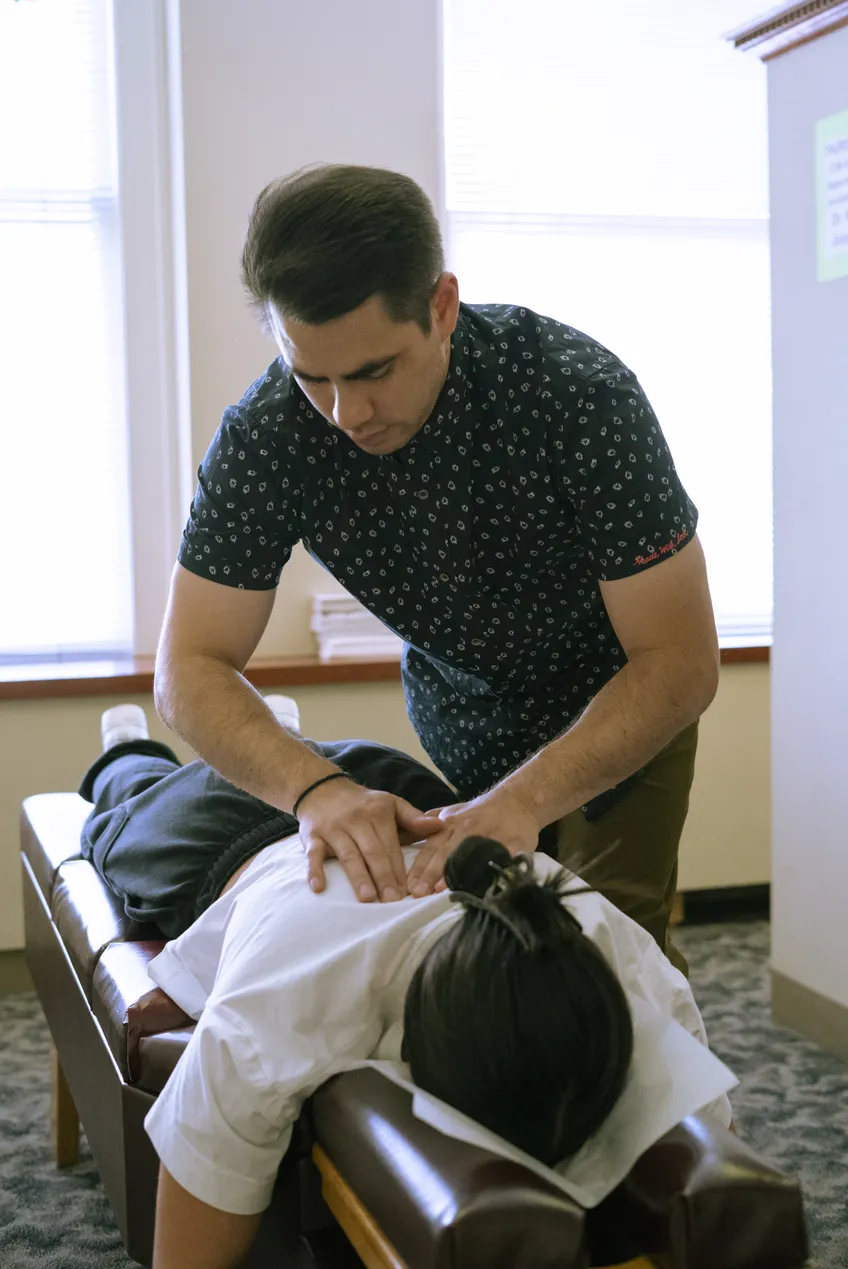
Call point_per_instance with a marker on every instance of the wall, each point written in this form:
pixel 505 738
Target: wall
pixel 48 744
pixel 267 88
pixel 810 680
pixel 726 841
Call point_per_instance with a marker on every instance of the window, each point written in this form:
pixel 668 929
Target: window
pixel 65 566
pixel 606 165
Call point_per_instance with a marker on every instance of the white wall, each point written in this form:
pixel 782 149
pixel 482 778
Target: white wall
pixel 267 88
pixel 726 840
pixel 809 664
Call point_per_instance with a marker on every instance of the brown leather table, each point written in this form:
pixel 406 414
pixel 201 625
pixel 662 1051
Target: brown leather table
pixel 405 1194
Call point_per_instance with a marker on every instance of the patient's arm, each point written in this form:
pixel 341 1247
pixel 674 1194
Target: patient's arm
pixel 192 1235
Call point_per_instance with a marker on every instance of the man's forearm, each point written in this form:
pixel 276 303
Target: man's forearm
pixel 631 719
pixel 216 711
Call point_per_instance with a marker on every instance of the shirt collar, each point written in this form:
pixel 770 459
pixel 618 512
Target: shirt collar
pixel 452 414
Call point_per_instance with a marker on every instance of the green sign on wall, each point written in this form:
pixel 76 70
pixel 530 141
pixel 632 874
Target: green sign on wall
pixel 832 196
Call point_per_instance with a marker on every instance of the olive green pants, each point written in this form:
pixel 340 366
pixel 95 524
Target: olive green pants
pixel 630 853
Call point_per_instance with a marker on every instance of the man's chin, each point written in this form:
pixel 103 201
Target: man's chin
pixel 385 441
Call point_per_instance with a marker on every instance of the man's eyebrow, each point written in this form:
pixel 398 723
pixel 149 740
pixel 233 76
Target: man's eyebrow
pixel 362 372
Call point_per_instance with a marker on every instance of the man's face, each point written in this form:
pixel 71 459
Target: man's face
pixel 375 379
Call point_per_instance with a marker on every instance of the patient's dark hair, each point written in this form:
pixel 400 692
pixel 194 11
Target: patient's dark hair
pixel 323 240
pixel 514 1016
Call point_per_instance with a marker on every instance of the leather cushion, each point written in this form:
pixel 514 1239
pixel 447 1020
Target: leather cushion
pixel 51 824
pixel 438 1201
pixel 89 917
pixel 703 1197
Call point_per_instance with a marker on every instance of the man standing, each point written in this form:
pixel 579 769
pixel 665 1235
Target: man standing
pixel 495 487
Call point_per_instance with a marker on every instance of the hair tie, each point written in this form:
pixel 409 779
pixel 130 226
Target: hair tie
pixel 485 905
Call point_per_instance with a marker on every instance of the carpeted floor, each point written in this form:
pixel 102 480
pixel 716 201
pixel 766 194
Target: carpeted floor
pixel 792 1103
pixel 792 1106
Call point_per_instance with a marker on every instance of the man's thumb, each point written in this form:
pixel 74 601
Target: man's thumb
pixel 409 817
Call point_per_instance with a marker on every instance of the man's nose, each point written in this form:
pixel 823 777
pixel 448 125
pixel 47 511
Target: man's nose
pixel 351 410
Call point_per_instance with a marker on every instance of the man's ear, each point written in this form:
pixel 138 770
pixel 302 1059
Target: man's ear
pixel 444 305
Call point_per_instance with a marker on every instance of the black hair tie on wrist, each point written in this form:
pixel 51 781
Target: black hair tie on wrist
pixel 335 775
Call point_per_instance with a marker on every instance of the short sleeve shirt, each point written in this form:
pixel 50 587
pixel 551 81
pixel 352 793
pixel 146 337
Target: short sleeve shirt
pixel 541 472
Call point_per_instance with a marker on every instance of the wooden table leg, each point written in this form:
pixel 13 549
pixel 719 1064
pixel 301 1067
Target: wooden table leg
pixel 64 1120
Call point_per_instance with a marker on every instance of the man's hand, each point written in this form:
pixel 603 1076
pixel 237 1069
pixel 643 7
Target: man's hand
pixel 500 814
pixel 364 830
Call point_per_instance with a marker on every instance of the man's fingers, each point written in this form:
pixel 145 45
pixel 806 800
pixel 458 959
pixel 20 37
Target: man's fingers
pixel 382 856
pixel 348 856
pixel 432 873
pixel 429 865
pixel 316 853
pixel 413 877
pixel 415 821
pixel 346 850
pixel 366 839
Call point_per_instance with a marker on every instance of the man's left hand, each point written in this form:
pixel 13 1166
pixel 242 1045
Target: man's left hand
pixel 500 814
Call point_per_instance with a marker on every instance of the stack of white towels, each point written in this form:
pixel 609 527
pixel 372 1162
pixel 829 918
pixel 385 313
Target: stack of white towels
pixel 343 628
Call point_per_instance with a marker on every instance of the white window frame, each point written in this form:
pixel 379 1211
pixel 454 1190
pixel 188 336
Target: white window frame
pixel 155 319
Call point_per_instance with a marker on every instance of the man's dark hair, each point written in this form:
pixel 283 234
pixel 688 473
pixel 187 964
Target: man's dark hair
pixel 514 1016
pixel 323 240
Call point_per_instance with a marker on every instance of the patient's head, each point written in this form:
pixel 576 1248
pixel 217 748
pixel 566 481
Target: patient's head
pixel 514 1017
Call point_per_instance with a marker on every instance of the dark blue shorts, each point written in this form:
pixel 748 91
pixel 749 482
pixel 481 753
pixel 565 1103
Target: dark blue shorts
pixel 167 838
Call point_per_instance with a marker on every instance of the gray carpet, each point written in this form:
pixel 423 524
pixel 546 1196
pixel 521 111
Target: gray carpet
pixel 792 1106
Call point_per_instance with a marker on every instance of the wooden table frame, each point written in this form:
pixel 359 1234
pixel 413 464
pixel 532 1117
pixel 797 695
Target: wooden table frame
pixel 368 1241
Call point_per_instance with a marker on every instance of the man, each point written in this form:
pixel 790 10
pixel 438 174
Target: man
pixel 495 487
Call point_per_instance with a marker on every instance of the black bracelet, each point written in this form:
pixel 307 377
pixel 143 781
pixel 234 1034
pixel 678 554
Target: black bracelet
pixel 335 775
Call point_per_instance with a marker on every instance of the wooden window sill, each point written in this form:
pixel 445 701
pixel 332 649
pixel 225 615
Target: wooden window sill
pixel 134 676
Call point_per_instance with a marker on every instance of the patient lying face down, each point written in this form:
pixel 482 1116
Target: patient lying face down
pixel 503 1007
pixel 513 1016
pixel 517 996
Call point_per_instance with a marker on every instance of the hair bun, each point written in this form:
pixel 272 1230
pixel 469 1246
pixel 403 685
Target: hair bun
pixel 469 868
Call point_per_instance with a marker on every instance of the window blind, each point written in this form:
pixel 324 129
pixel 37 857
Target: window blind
pixel 65 567
pixel 607 165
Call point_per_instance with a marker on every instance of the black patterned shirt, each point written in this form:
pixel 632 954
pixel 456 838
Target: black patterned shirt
pixel 541 472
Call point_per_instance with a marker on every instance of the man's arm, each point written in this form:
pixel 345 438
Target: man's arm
pixel 209 634
pixel 664 621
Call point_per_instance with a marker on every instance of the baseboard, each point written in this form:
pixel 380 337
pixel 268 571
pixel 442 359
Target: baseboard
pixel 727 903
pixel 816 1017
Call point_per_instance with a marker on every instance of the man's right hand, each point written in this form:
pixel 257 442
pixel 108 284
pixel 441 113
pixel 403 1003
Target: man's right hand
pixel 363 829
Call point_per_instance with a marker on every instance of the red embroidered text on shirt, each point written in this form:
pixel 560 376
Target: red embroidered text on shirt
pixel 663 550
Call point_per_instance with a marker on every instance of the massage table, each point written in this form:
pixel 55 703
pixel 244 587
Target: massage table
pixel 364 1181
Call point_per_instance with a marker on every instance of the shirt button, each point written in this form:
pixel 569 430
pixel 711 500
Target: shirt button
pixel 421 493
